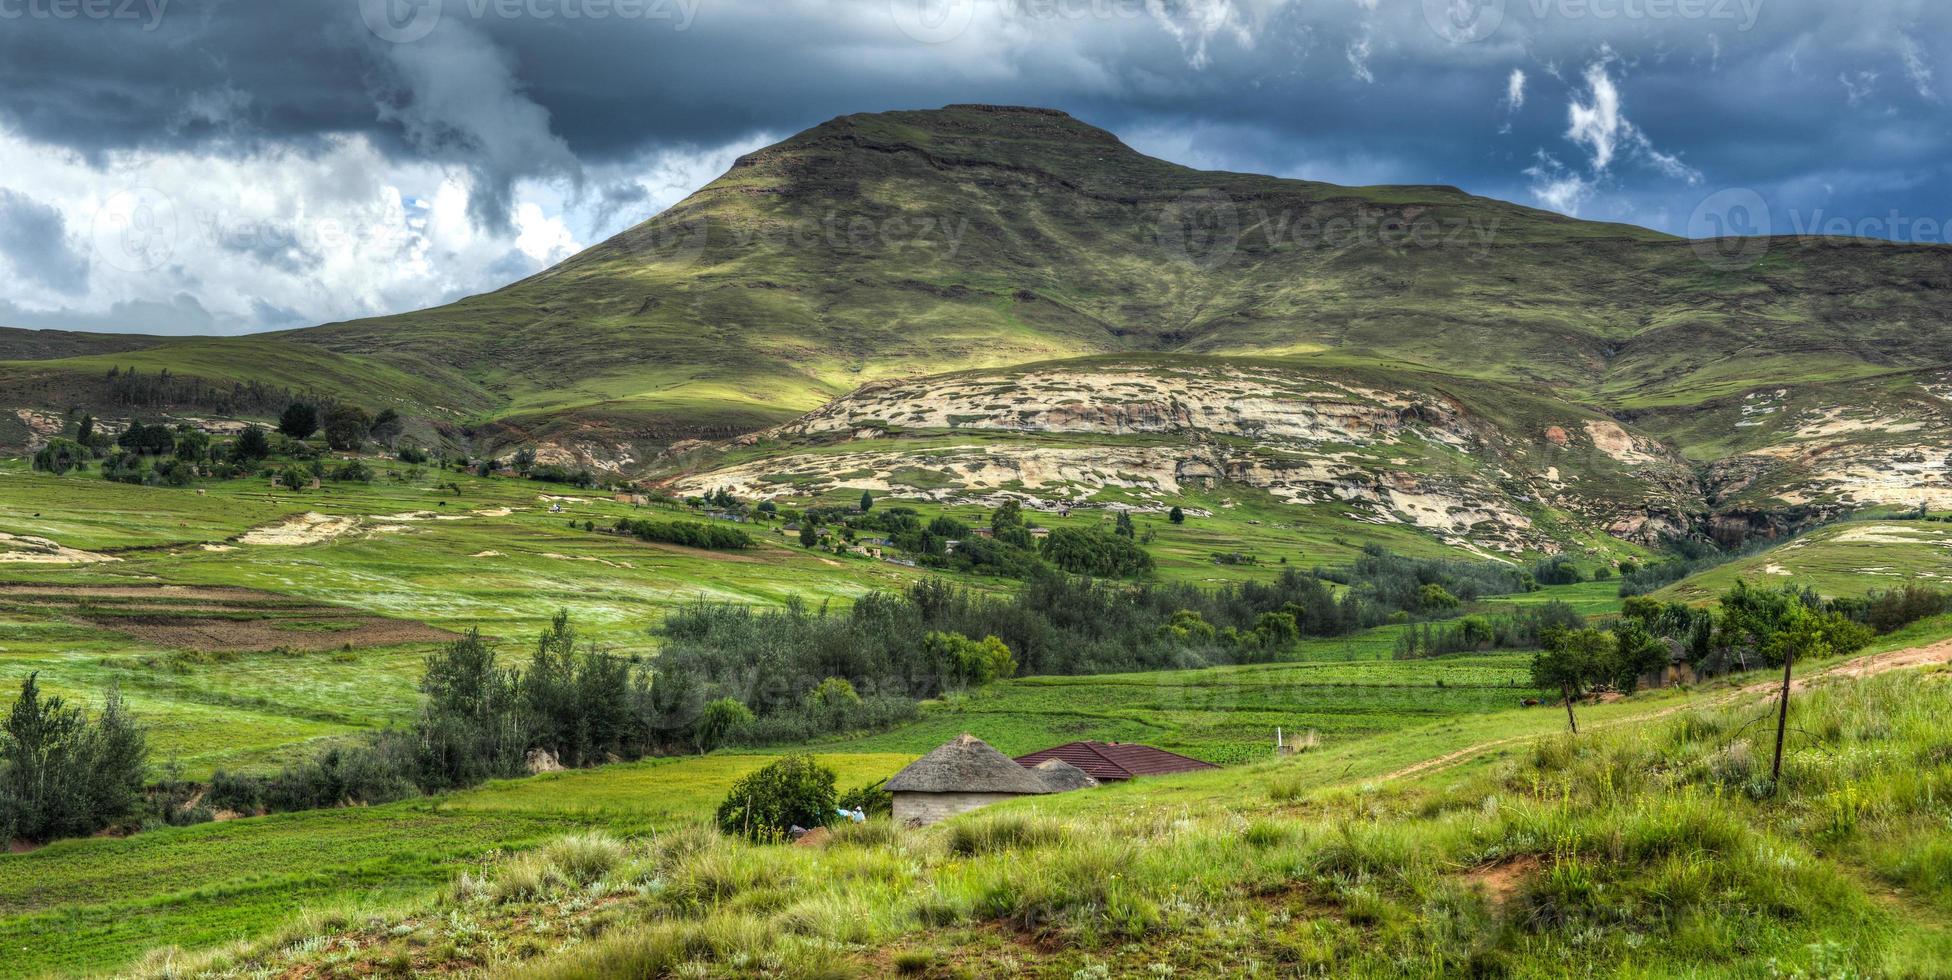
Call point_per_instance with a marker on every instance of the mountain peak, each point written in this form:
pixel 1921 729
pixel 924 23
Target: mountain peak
pixel 967 133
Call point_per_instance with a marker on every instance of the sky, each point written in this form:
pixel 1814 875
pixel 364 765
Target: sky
pixel 230 166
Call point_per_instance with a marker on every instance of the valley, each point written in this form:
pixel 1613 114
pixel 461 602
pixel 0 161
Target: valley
pixel 452 637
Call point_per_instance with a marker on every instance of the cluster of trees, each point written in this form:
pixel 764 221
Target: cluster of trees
pixel 166 455
pixel 1523 629
pixel 891 650
pixel 1399 583
pixel 691 534
pixel 1088 551
pixel 63 774
pixel 1691 557
pixel 347 428
pixel 1009 549
pixel 131 388
pixel 155 455
pixel 1752 627
pixel 481 720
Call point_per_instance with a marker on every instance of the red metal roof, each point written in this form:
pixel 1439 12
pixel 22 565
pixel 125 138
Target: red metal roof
pixel 1113 761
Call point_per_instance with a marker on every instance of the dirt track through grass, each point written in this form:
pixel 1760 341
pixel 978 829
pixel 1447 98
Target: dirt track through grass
pixel 1866 666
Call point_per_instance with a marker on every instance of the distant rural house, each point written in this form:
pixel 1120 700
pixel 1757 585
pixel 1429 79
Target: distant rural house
pixel 1111 762
pixel 867 551
pixel 1040 532
pixel 633 499
pixel 966 774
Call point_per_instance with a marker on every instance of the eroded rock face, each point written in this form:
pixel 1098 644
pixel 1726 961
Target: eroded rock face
pixel 1382 456
pixel 1276 406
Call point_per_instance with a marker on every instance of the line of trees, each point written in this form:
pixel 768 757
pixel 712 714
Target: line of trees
pixel 891 650
pixel 481 719
pixel 691 534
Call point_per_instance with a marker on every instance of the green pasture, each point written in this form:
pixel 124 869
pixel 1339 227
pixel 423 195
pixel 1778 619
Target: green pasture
pixel 92 905
pixel 1846 559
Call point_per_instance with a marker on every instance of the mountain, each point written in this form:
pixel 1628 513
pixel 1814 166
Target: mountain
pixel 907 290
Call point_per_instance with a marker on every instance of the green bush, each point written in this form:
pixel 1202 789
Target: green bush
pixel 795 791
pixel 1093 552
pixel 61 456
pixel 63 775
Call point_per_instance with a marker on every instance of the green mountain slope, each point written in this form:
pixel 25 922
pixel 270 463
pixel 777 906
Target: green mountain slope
pixel 909 244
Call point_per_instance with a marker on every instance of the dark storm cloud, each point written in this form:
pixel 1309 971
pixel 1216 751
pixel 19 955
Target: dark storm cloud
pixel 1752 92
pixel 34 241
pixel 1635 110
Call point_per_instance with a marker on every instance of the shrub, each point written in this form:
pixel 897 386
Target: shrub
pixel 585 858
pixel 718 722
pixel 63 775
pixel 236 793
pixel 61 456
pixel 763 806
pixel 874 800
pixel 1435 598
pixel 1897 608
pixel 352 471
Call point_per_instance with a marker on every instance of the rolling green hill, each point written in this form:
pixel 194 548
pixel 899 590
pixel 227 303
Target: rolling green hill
pixel 1701 386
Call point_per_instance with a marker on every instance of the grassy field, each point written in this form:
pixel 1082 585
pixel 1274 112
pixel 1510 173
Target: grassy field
pixel 92 905
pixel 246 625
pixel 247 679
pixel 1843 559
pixel 330 638
pixel 1639 849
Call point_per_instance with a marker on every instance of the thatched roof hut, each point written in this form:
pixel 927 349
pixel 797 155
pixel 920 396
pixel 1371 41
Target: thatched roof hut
pixel 967 773
pixel 1063 776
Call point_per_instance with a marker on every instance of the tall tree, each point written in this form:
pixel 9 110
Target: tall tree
pixel 299 420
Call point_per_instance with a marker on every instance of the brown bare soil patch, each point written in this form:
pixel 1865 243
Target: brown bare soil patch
pixel 215 634
pixel 216 619
pixel 1502 880
pixel 214 593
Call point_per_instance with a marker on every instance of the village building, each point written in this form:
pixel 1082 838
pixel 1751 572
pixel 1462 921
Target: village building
pixel 1112 762
pixel 967 773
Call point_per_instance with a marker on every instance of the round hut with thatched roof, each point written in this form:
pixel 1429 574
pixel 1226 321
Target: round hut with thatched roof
pixel 967 773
